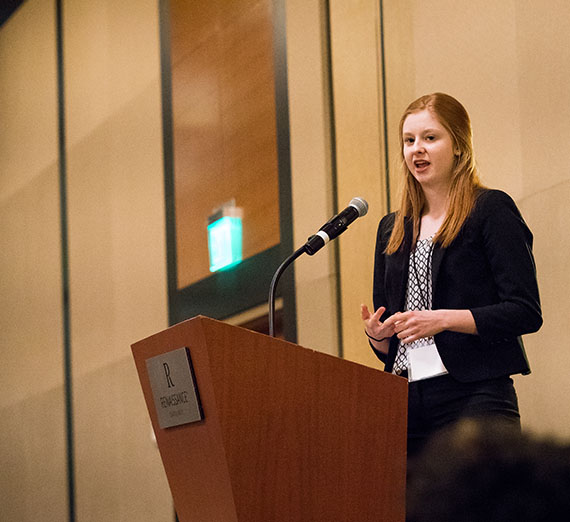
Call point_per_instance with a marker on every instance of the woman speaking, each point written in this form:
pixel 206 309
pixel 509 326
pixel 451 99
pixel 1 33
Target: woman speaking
pixel 454 279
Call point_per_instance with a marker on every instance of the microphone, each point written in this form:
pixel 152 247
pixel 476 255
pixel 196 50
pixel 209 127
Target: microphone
pixel 336 225
pixel 330 230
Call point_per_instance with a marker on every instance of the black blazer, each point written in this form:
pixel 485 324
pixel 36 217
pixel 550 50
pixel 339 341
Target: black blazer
pixel 488 269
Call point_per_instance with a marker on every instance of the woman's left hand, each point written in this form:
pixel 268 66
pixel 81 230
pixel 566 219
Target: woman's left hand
pixel 413 325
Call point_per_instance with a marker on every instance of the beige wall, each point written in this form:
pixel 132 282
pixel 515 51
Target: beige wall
pixel 32 437
pixel 117 250
pixel 116 254
pixel 358 114
pixel 543 48
pixel 508 63
pixel 311 173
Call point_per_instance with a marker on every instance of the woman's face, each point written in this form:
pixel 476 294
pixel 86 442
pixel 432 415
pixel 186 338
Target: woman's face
pixel 428 150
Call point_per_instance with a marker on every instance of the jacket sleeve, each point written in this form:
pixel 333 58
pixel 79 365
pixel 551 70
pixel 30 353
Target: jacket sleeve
pixel 508 248
pixel 378 291
pixel 379 286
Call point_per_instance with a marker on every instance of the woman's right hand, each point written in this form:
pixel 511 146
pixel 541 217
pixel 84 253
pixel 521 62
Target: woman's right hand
pixel 375 328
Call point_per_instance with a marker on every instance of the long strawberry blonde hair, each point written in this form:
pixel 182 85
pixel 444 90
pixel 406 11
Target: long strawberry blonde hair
pixel 465 179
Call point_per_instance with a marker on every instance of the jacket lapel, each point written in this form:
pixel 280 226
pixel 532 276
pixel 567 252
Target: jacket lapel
pixel 404 263
pixel 437 258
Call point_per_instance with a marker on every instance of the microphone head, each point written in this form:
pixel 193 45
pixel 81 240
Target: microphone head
pixel 360 205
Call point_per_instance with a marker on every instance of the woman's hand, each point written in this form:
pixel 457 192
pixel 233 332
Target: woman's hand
pixel 376 329
pixel 413 325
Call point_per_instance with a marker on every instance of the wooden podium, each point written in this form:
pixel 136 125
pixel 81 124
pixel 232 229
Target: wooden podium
pixel 288 434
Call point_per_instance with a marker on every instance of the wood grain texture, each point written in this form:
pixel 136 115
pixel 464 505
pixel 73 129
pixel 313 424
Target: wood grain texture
pixel 289 433
pixel 193 455
pixel 224 123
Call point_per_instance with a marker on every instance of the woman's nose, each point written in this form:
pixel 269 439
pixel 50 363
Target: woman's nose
pixel 419 146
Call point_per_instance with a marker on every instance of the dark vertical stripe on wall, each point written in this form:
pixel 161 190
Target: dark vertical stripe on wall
pixel 384 107
pixel 332 123
pixel 284 167
pixel 65 264
pixel 168 157
pixel 168 163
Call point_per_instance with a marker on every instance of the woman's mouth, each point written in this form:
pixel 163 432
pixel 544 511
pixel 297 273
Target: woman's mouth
pixel 421 165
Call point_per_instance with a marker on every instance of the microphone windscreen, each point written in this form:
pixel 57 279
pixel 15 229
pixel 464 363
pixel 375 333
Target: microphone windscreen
pixel 360 205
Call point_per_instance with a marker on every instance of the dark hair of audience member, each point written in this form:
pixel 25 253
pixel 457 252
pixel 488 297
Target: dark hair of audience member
pixel 480 471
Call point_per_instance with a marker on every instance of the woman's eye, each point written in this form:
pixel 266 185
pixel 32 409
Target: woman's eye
pixel 430 138
pixel 408 140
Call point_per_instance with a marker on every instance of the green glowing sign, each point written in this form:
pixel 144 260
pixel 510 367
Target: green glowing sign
pixel 225 243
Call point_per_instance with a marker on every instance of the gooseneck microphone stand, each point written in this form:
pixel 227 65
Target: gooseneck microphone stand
pixel 273 286
pixel 335 226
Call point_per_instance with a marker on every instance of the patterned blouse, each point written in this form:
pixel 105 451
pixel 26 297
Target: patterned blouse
pixel 418 295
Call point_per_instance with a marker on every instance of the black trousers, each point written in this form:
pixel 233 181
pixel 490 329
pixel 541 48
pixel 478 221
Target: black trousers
pixel 440 401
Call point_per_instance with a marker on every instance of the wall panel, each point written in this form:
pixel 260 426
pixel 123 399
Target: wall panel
pixel 117 251
pixel 543 51
pixel 312 171
pixel 508 63
pixel 358 109
pixel 33 482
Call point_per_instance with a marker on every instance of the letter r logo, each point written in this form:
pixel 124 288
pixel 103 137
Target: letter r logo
pixel 167 375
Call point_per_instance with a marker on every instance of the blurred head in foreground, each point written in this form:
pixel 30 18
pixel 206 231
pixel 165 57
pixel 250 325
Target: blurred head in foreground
pixel 483 471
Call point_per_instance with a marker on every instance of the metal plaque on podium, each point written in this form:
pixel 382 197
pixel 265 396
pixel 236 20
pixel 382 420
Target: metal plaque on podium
pixel 174 390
